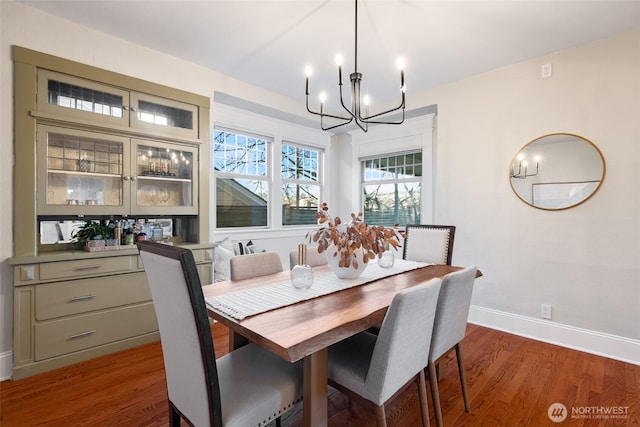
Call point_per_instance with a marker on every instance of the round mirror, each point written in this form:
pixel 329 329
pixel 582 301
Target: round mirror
pixel 557 171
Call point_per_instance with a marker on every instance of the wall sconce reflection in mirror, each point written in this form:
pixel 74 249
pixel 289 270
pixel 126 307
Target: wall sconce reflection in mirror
pixel 523 164
pixel 569 169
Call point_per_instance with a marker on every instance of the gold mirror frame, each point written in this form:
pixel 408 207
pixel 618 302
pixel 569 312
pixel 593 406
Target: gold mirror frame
pixel 557 171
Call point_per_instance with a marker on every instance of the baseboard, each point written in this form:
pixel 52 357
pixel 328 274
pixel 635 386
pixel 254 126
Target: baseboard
pixel 607 345
pixel 6 365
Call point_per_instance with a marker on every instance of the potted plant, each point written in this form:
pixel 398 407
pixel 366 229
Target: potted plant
pixel 91 230
pixel 352 243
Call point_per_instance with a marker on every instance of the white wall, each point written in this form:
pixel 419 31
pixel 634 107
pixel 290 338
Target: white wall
pixel 584 261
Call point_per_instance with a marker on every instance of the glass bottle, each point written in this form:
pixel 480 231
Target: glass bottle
pixel 387 258
pixel 302 274
pixel 156 233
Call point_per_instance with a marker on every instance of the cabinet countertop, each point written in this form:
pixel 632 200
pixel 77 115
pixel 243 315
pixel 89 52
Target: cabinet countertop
pixel 54 256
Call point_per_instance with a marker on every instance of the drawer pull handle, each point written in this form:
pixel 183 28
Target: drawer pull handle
pixel 88 267
pixel 82 335
pixel 82 298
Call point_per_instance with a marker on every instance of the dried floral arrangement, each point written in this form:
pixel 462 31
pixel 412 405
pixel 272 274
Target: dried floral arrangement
pixel 350 237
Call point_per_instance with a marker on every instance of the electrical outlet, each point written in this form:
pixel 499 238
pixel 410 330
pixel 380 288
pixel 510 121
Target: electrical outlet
pixel 545 311
pixel 546 71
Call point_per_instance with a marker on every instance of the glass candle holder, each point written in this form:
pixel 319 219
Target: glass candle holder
pixel 302 274
pixel 387 258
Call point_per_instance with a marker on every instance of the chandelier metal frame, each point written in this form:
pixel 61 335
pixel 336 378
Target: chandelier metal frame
pixel 523 175
pixel 355 113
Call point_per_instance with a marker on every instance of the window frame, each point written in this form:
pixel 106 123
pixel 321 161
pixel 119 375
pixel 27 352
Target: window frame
pixel 413 179
pixel 319 182
pixel 267 177
pixel 235 119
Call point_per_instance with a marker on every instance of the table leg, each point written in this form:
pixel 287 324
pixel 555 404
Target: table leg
pixel 315 406
pixel 236 340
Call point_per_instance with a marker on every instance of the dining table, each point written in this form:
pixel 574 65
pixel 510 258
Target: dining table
pixel 305 330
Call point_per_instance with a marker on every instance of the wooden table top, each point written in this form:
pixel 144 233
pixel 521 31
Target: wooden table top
pixel 302 329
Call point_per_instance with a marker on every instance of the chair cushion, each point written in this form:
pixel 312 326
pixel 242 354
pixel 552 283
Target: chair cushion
pixel 428 245
pixel 253 265
pixel 222 253
pixel 254 382
pixel 349 361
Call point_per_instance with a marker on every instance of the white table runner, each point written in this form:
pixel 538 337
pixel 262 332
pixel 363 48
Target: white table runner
pixel 249 302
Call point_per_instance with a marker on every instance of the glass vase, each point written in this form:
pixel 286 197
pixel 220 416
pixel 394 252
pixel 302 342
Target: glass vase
pixel 387 259
pixel 302 274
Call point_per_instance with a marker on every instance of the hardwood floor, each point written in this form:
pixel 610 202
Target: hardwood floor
pixel 512 382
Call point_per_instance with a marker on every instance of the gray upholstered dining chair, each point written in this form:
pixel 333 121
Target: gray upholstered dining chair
pixel 314 258
pixel 246 387
pixel 429 243
pixel 253 265
pixel 372 368
pixel 449 329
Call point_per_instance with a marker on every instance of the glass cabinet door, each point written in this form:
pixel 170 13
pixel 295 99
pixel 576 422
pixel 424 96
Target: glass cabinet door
pixel 165 178
pixel 169 117
pixel 81 99
pixel 82 172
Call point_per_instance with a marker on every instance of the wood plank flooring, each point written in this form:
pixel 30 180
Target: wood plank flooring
pixel 512 382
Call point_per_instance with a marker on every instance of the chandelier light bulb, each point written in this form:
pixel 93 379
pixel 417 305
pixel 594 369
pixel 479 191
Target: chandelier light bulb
pixel 520 168
pixel 366 100
pixel 323 97
pixel 401 63
pixel 339 60
pixel 308 70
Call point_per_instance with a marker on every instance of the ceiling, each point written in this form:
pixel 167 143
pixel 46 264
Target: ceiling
pixel 269 43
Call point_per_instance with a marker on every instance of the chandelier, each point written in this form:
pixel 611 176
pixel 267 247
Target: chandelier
pixel 356 113
pixel 521 172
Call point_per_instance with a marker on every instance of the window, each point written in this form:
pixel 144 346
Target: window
pixel 242 178
pixel 300 184
pixel 85 99
pixel 164 115
pixel 391 188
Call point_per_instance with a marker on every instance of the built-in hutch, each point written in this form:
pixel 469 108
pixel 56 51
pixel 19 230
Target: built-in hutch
pixel 91 144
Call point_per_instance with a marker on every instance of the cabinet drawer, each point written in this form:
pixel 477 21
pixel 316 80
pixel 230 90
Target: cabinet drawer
pixel 85 267
pixel 83 295
pixel 57 337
